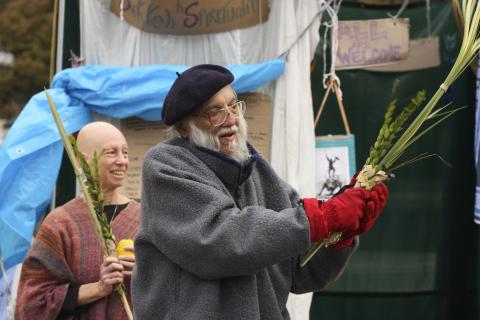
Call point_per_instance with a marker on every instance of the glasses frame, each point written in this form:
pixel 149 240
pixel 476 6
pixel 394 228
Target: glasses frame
pixel 226 111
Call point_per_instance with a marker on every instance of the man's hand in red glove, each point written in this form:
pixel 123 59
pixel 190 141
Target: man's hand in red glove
pixel 351 212
pixel 375 205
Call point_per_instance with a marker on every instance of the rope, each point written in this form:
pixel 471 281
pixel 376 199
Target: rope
pixel 400 11
pixel 332 11
pixel 121 10
pixel 428 17
pixel 331 82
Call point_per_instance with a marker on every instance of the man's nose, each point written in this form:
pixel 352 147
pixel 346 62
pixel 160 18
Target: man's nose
pixel 230 120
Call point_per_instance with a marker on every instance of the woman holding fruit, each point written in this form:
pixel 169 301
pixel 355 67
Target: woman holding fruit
pixel 65 275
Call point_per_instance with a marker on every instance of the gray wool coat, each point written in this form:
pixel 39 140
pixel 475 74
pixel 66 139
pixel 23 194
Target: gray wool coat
pixel 221 241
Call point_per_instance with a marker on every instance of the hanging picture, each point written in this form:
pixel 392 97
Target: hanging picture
pixel 335 163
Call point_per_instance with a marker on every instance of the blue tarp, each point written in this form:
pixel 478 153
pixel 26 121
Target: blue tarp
pixel 31 154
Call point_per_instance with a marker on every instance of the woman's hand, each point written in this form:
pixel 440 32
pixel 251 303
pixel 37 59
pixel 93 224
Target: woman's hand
pixel 127 260
pixel 111 274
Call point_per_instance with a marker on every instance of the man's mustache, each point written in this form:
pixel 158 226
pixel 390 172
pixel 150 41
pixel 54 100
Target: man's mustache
pixel 227 131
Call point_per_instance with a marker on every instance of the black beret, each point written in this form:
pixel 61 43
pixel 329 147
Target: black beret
pixel 191 89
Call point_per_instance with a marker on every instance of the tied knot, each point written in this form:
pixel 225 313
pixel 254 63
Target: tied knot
pixel 368 178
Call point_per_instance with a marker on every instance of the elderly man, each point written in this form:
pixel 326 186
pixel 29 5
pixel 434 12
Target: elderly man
pixel 65 274
pixel 221 234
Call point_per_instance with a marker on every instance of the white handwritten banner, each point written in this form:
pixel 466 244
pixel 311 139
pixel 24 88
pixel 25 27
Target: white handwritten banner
pixel 191 16
pixel 371 42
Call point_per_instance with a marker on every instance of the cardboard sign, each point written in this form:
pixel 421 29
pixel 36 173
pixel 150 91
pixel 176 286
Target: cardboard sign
pixel 259 121
pixel 191 16
pixel 142 135
pixel 423 54
pixel 371 42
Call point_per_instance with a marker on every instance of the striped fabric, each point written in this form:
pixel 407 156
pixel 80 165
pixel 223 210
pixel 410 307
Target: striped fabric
pixel 67 251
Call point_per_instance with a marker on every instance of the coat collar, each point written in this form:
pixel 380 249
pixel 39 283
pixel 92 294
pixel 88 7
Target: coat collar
pixel 230 171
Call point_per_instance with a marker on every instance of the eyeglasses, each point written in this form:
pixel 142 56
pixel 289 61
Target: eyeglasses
pixel 218 115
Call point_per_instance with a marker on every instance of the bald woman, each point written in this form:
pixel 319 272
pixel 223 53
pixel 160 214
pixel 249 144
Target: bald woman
pixel 65 275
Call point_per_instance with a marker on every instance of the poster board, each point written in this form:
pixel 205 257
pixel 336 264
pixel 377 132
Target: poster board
pixel 371 42
pixel 259 121
pixel 182 17
pixel 142 135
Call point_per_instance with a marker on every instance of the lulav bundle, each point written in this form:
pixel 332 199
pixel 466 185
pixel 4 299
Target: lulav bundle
pixel 389 129
pixel 387 150
pixel 372 172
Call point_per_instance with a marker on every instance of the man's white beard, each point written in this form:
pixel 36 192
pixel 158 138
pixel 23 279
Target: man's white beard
pixel 236 149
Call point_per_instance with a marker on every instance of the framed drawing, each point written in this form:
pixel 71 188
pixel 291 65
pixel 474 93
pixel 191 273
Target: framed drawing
pixel 335 163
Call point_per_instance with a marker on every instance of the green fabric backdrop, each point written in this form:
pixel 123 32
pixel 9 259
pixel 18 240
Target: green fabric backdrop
pixel 420 261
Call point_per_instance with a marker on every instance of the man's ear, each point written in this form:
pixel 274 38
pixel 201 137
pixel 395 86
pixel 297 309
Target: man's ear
pixel 182 128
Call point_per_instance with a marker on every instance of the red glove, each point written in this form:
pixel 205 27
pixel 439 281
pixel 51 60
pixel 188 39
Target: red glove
pixel 341 213
pixel 351 212
pixel 374 206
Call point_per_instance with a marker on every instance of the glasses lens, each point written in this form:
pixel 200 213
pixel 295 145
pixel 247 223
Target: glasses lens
pixel 217 117
pixel 234 108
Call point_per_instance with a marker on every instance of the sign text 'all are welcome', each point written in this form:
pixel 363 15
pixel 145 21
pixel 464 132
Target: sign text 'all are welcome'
pixel 372 42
